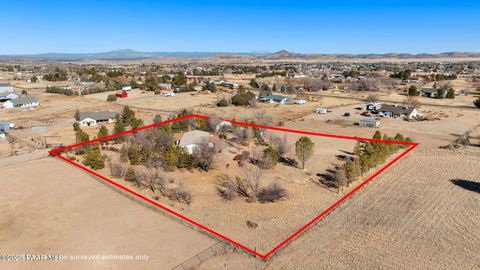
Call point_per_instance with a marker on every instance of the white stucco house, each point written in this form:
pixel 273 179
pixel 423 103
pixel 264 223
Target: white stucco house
pixel 27 102
pixel 191 139
pixel 93 118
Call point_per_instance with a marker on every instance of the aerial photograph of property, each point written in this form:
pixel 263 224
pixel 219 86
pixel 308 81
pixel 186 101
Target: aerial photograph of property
pixel 243 135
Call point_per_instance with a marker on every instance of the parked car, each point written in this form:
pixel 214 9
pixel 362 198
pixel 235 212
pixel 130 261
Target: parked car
pixel 347 114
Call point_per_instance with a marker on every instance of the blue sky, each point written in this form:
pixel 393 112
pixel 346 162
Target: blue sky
pixel 240 26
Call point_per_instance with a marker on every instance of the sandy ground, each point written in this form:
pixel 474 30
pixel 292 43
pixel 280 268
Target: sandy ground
pixel 50 207
pixel 410 217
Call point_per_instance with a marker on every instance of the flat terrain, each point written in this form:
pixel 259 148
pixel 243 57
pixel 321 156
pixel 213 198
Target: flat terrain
pixel 411 217
pixel 50 207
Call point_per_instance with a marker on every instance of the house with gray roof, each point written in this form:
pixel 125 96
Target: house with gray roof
pixel 7 92
pixel 273 99
pixel 431 92
pixel 191 139
pixel 93 118
pixel 5 88
pixel 398 111
pixel 26 102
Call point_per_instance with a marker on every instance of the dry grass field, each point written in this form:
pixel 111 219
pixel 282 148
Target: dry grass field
pixel 50 207
pixel 276 221
pixel 419 214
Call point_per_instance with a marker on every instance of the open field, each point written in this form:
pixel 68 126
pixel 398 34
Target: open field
pixel 49 207
pixel 411 217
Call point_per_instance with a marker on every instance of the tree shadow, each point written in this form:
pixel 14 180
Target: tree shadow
pixel 467 184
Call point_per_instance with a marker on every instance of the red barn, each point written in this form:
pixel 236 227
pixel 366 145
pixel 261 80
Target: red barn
pixel 123 94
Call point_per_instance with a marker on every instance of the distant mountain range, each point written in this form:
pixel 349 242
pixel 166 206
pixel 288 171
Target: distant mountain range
pixel 128 54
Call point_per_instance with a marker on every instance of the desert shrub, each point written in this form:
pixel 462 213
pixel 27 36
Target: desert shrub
pixel 222 103
pixel 226 187
pixel 252 224
pixel 130 175
pixel 204 154
pixel 269 158
pixel 477 102
pixel 111 98
pixel 243 99
pixel 180 194
pixel 272 193
pixel 117 170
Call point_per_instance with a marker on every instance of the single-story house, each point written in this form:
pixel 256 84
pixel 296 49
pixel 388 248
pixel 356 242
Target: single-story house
pixel 373 106
pixel 165 86
pixel 26 102
pixel 273 99
pixel 5 88
pixel 431 92
pixel 321 110
pixel 300 101
pixel 8 96
pixel 126 88
pixel 369 122
pixel 122 94
pixel 2 135
pixel 398 111
pixel 167 94
pixel 191 139
pixel 93 118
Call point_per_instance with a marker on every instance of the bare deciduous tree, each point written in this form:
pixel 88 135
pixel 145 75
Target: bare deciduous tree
pixel 204 153
pixel 280 144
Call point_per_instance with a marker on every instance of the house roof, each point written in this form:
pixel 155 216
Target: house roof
pixel 97 115
pixel 7 87
pixel 274 97
pixel 429 90
pixel 25 100
pixel 397 109
pixel 193 137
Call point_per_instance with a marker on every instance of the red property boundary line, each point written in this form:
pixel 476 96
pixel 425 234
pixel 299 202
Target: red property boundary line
pixel 412 145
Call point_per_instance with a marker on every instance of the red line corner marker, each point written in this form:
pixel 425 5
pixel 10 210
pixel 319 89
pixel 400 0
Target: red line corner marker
pixel 412 145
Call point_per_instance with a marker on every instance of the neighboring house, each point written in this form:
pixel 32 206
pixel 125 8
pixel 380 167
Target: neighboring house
pixel 93 118
pixel 300 101
pixel 431 92
pixel 122 94
pixel 8 96
pixel 398 111
pixel 373 106
pixel 273 99
pixel 26 102
pixel 191 139
pixel 165 86
pixel 126 88
pixel 369 122
pixel 167 94
pixel 5 88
